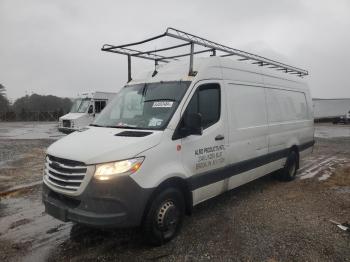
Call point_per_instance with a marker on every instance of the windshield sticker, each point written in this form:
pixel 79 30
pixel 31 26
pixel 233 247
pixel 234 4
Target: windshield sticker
pixel 155 122
pixel 163 104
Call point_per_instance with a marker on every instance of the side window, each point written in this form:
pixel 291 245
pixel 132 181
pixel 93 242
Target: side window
pixel 285 105
pixel 206 101
pixel 99 105
pixel 103 105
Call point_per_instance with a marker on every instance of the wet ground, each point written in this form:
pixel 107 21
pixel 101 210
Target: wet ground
pixel 265 220
pixel 29 130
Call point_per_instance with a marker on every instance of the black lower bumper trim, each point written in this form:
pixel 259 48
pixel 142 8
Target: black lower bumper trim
pixel 66 130
pixel 84 217
pixel 116 203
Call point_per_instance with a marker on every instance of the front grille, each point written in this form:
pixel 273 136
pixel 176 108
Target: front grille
pixel 66 123
pixel 64 174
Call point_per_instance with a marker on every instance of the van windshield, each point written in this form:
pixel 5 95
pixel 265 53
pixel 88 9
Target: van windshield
pixel 143 106
pixel 80 105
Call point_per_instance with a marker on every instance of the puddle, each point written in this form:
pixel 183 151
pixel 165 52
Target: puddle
pixel 30 130
pixel 322 167
pixel 24 222
pixel 343 190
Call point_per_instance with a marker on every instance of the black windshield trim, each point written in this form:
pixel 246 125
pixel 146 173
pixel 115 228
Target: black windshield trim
pixel 161 99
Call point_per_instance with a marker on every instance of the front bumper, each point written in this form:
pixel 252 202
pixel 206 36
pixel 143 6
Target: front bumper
pixel 66 130
pixel 116 203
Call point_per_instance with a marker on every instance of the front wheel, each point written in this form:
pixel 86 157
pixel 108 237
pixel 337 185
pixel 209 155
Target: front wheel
pixel 164 217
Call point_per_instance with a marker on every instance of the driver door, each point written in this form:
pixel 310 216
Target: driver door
pixel 203 156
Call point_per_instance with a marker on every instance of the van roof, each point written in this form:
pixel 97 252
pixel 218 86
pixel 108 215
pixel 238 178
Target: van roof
pixel 214 68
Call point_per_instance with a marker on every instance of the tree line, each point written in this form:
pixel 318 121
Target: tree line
pixel 33 107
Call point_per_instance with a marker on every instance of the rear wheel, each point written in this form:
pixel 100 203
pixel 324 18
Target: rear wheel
pixel 164 217
pixel 288 173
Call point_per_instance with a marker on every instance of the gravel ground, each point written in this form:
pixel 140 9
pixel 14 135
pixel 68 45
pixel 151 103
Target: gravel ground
pixel 265 220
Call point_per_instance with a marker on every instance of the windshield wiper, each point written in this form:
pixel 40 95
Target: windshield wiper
pixel 160 99
pixel 96 125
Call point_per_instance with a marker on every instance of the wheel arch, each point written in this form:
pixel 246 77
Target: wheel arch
pixel 173 182
pixel 295 148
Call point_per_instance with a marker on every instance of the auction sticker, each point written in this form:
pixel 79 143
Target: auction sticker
pixel 163 104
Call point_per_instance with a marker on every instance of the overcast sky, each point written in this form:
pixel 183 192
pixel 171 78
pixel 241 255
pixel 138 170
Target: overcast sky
pixel 53 47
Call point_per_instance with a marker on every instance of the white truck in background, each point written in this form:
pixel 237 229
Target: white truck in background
pixel 84 110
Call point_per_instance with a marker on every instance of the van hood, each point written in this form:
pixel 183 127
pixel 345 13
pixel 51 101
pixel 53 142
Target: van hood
pixel 96 145
pixel 72 116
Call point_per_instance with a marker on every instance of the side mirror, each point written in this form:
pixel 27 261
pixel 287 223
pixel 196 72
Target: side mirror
pixel 193 124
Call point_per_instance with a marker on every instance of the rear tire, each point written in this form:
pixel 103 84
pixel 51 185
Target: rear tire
pixel 288 173
pixel 164 217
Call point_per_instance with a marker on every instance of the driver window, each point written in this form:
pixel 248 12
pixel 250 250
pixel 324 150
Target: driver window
pixel 206 101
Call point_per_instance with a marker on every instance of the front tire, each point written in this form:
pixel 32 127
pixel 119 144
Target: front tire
pixel 164 217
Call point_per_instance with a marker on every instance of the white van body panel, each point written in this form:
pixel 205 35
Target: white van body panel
pixel 250 135
pixel 263 115
pixel 157 170
pixel 240 82
pixel 203 153
pixel 206 192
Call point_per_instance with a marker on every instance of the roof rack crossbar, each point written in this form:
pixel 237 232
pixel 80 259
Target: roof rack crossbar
pixel 187 54
pixel 132 44
pixel 192 40
pixel 136 54
pixel 162 49
pixel 131 52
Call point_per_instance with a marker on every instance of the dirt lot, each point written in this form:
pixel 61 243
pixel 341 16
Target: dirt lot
pixel 265 220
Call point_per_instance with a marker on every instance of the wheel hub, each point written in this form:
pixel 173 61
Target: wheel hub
pixel 167 216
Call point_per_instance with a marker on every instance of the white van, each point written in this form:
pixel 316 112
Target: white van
pixel 84 110
pixel 170 140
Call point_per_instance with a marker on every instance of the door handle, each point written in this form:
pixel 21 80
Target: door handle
pixel 219 137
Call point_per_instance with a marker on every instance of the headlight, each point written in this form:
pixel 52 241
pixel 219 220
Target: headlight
pixel 109 170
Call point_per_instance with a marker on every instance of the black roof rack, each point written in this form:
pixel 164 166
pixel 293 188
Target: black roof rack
pixel 192 40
